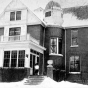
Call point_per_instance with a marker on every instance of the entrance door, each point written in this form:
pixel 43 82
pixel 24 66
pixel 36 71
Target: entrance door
pixel 33 60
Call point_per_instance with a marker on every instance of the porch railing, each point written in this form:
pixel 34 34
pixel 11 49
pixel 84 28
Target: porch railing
pixel 18 38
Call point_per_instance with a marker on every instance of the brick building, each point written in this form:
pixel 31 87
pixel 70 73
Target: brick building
pixel 27 39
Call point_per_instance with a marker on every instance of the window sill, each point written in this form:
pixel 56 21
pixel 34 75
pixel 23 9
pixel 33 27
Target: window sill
pixel 55 54
pixel 74 73
pixel 14 67
pixel 74 46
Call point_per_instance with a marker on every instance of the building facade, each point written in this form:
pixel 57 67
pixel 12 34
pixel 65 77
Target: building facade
pixel 25 41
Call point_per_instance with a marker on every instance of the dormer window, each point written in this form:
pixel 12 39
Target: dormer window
pixel 16 15
pixel 47 14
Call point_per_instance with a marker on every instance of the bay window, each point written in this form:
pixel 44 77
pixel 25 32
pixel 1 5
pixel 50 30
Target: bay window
pixel 55 45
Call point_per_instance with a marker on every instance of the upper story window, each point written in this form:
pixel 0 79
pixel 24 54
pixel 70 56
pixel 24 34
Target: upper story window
pixel 74 37
pixel 47 14
pixel 74 64
pixel 16 15
pixel 14 33
pixel 55 45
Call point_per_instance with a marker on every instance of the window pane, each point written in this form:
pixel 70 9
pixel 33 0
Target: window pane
pixel 60 46
pixel 21 58
pixel 53 49
pixel 13 62
pixel 12 16
pixel 6 62
pixel 21 54
pixel 74 64
pixel 18 15
pixel 53 41
pixel 31 60
pixel 20 62
pixel 53 45
pixel 47 14
pixel 6 58
pixel 74 37
pixel 13 58
pixel 14 31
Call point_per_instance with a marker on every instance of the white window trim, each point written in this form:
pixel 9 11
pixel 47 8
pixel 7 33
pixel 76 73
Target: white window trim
pixel 71 40
pixel 15 15
pixel 56 46
pixel 10 60
pixel 74 46
pixel 52 54
pixel 56 54
pixel 74 72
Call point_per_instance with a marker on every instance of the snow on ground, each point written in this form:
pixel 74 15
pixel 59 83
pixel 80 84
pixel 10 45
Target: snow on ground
pixel 47 83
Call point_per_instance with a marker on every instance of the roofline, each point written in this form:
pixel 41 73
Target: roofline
pixel 54 26
pixel 79 26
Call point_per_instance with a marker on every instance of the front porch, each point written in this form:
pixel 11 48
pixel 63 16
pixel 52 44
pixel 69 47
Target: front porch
pixel 18 57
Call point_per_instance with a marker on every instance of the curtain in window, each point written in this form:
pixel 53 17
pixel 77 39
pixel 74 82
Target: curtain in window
pixel 74 37
pixel 74 64
pixel 53 46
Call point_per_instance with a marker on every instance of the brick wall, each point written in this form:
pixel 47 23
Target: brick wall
pixel 36 32
pixel 54 32
pixel 81 50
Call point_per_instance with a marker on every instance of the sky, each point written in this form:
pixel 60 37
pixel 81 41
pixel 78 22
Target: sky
pixel 34 4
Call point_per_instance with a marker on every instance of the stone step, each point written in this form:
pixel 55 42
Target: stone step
pixel 34 80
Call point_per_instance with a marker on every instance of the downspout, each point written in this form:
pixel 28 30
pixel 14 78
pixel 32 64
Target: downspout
pixel 65 52
pixel 43 52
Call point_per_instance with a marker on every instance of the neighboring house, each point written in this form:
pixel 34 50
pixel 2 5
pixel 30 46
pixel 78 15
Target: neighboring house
pixel 59 35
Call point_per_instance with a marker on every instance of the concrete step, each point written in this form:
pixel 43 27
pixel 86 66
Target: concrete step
pixel 34 80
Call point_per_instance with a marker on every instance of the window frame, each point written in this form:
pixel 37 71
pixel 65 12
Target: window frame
pixel 48 14
pixel 74 72
pixel 17 66
pixel 15 16
pixel 14 31
pixel 72 45
pixel 57 46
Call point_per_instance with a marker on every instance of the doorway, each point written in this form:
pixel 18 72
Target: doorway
pixel 34 59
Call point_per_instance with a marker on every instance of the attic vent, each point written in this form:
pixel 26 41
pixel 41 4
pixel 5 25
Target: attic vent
pixel 47 14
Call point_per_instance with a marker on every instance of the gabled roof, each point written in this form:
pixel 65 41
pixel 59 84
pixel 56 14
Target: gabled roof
pixel 15 4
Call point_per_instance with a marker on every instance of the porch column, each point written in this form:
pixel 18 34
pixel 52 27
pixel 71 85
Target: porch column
pixel 27 61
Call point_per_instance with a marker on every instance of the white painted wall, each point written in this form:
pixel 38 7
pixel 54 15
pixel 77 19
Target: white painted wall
pixel 55 18
pixel 23 29
pixel 22 21
pixel 1 57
pixel 27 60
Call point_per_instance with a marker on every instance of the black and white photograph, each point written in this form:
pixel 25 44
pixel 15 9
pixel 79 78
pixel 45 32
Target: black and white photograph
pixel 43 43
